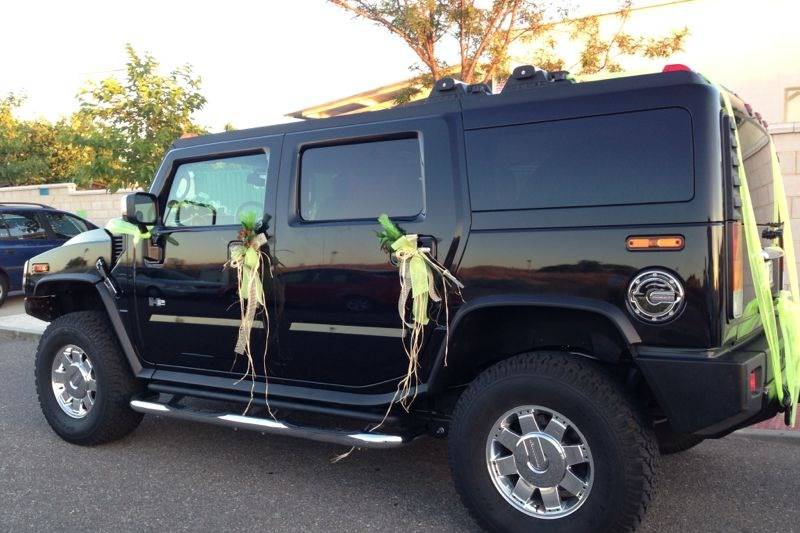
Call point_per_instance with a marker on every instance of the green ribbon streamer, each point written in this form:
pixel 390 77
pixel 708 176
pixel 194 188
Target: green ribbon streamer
pixel 118 226
pixel 248 258
pixel 785 370
pixel 410 257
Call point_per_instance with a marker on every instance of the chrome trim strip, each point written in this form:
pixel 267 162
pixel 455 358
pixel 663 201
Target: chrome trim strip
pixel 346 330
pixel 201 320
pixel 267 425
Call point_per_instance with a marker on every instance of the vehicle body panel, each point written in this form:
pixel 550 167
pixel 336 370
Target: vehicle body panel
pixel 334 323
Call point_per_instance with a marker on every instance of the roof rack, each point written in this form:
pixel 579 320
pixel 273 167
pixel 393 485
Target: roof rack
pixel 26 203
pixel 453 88
pixel 527 76
pixel 523 77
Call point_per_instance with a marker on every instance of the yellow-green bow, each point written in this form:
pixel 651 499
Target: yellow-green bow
pixel 414 271
pixel 117 226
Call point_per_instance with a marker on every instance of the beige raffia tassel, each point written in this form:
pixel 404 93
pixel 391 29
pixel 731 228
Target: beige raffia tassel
pixel 418 273
pixel 249 262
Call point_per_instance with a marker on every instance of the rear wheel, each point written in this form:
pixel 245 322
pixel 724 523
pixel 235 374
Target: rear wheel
pixel 83 381
pixel 547 442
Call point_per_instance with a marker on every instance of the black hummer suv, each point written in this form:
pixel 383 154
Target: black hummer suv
pixel 595 226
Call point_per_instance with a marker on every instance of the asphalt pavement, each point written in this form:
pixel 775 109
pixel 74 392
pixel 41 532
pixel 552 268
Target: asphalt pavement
pixel 178 476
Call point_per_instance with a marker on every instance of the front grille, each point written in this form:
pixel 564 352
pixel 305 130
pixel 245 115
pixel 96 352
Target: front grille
pixel 117 248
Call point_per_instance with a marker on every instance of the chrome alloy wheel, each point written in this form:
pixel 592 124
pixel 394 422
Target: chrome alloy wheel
pixel 73 380
pixel 540 462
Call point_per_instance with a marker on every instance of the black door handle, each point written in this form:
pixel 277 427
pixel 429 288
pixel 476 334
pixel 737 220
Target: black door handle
pixel 423 241
pixel 429 242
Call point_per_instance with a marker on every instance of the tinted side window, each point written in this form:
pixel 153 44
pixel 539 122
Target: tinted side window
pixel 361 181
pixel 65 226
pixel 23 226
pixel 630 158
pixel 217 192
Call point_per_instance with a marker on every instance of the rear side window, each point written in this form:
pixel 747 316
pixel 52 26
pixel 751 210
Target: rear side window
pixel 631 158
pixel 66 226
pixel 22 226
pixel 362 180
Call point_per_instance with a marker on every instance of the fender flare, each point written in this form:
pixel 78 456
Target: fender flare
pixel 605 309
pixel 77 277
pixel 110 308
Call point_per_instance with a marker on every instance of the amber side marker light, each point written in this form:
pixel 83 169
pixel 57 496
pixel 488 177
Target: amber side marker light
pixel 40 268
pixel 640 243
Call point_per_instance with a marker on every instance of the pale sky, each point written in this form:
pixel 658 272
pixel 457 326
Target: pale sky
pixel 258 59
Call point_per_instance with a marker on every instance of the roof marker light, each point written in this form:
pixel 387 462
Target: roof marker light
pixel 676 67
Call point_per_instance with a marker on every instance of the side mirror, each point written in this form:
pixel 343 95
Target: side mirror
pixel 140 208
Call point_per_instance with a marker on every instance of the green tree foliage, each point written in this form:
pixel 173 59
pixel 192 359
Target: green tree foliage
pixel 117 137
pixel 130 124
pixel 481 32
pixel 35 151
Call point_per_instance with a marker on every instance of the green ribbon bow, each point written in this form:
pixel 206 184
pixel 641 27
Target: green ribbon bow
pixel 248 258
pixel 118 226
pixel 414 268
pixel 786 369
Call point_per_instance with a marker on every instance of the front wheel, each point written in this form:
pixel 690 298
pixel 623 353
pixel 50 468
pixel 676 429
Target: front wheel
pixel 548 442
pixel 83 381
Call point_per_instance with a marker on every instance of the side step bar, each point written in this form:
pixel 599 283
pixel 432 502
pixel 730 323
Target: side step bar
pixel 268 425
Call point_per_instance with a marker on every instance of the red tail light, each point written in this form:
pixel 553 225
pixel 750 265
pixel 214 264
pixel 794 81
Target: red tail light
pixel 737 270
pixel 753 384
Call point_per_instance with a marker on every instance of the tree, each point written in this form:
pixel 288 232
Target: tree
pixel 35 151
pixel 130 124
pixel 483 32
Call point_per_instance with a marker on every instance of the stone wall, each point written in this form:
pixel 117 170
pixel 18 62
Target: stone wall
pixel 98 206
pixel 787 144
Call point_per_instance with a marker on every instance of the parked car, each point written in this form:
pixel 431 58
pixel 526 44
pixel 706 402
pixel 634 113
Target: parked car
pixel 595 226
pixel 27 230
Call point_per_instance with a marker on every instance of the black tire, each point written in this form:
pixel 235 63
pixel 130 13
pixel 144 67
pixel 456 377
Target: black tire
pixel 670 442
pixel 619 436
pixel 110 418
pixel 4 288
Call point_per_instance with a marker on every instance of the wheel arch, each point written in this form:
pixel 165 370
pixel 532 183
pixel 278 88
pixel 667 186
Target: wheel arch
pixel 61 294
pixel 513 322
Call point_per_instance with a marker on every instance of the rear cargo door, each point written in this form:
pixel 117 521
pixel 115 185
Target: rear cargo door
pixel 757 165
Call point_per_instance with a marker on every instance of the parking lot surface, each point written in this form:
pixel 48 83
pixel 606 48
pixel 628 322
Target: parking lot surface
pixel 176 476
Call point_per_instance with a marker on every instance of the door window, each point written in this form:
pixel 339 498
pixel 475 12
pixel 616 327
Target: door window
pixel 362 180
pixel 66 226
pixel 217 192
pixel 23 226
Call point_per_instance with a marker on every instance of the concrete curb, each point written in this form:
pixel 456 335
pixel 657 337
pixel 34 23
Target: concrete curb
pixel 770 434
pixel 15 334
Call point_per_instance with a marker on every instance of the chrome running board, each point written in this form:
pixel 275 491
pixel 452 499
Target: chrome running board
pixel 268 425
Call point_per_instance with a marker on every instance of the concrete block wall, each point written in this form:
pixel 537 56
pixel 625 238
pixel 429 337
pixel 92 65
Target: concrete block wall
pixel 787 144
pixel 98 206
